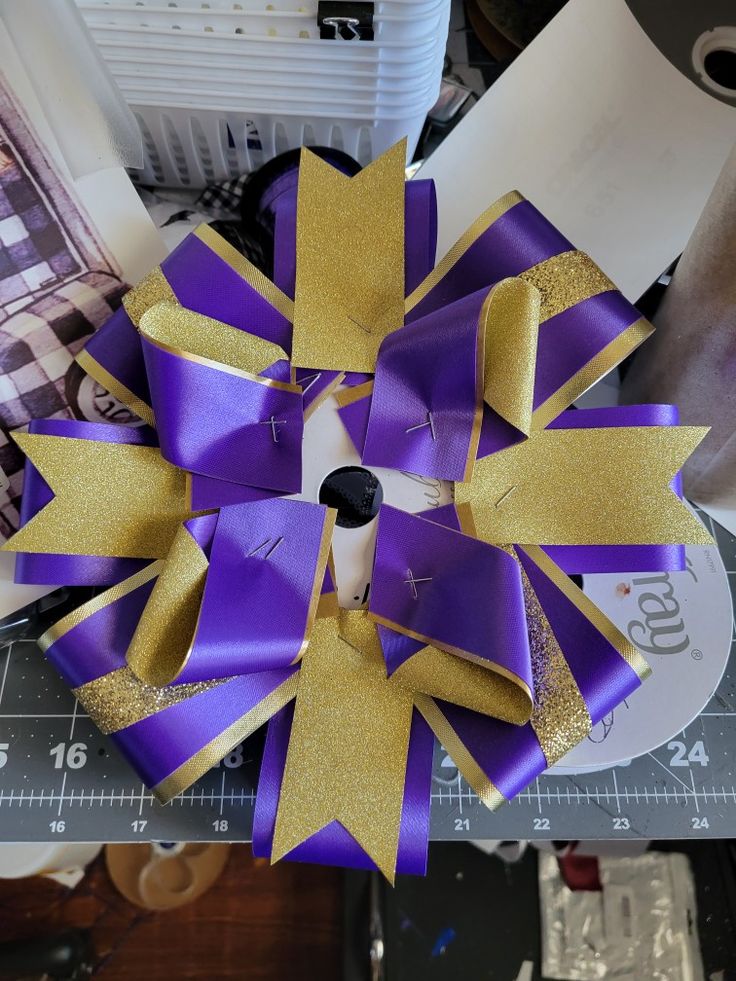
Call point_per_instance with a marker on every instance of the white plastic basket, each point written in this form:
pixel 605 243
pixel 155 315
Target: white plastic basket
pixel 313 49
pixel 300 24
pixel 220 87
pixel 190 148
pixel 236 75
pixel 194 93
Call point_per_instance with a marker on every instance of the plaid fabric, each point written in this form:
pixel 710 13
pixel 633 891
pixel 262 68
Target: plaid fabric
pixel 33 252
pixel 223 197
pixel 37 349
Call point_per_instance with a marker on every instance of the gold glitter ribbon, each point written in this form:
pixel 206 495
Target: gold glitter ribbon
pixel 113 499
pixel 586 487
pixel 509 323
pixel 195 337
pixel 349 740
pixel 163 639
pixel 350 262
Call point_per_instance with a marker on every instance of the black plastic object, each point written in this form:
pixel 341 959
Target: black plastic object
pixel 67 955
pixel 356 493
pixel 345 20
pixel 266 186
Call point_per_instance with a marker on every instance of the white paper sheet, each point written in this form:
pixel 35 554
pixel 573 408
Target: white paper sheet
pixel 609 140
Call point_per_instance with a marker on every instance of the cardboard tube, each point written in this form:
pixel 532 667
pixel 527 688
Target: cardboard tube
pixel 691 359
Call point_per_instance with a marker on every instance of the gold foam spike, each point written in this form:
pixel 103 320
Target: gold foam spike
pixel 350 262
pixel 586 487
pixel 111 499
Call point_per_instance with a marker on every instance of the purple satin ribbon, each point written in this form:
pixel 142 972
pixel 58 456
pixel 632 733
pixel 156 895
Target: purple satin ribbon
pixel 511 756
pixel 333 845
pixel 217 424
pixel 459 592
pixel 424 394
pixel 258 592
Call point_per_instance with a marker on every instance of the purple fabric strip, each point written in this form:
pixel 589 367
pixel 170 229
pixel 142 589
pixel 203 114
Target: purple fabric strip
pixel 216 423
pixel 158 745
pixel 426 367
pixel 398 648
pixel 354 418
pixel 72 570
pixel 519 239
pixel 510 756
pixel 353 378
pixel 98 644
pixel 568 341
pixel 209 492
pixel 202 529
pixel 204 282
pixel 602 675
pixel 117 347
pixel 496 434
pixel 314 383
pixel 451 606
pixel 258 591
pixel 333 845
pixel 420 232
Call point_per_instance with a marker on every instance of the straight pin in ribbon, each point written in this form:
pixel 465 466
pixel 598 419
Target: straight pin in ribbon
pixel 423 425
pixel 273 423
pixel 411 582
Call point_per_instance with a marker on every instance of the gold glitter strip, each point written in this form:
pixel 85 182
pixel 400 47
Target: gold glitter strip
pixel 466 519
pixel 324 395
pixel 200 336
pixel 120 699
pixel 204 759
pixel 459 753
pixel 603 362
pixel 458 250
pixel 246 270
pixel 152 289
pixel 348 748
pixel 519 697
pixel 600 621
pixel 480 357
pixel 560 718
pixel 454 679
pixel 163 640
pixel 323 555
pixel 101 375
pixel 228 369
pixel 509 323
pixel 110 596
pixel 608 486
pixel 354 394
pixel 350 262
pixel 120 499
pixel 565 280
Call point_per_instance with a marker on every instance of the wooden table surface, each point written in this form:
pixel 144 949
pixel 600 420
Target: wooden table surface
pixel 280 923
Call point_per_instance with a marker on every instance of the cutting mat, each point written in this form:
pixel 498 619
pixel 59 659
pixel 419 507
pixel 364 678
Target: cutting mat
pixel 60 779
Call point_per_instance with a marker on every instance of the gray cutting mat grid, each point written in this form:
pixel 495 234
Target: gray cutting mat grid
pixel 60 779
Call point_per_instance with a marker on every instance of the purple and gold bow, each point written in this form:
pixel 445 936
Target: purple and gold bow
pixel 221 609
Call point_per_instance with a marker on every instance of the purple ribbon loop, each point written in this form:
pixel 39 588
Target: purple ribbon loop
pixel 425 394
pixel 267 565
pixel 448 589
pixel 220 424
